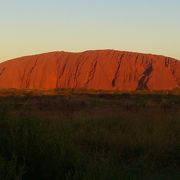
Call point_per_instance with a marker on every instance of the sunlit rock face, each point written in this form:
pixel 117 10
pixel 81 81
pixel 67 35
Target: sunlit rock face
pixel 92 70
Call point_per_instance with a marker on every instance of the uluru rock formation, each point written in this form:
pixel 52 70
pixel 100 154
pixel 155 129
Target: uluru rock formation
pixel 93 70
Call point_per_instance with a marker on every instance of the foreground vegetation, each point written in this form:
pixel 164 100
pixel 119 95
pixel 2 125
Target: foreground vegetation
pixel 90 136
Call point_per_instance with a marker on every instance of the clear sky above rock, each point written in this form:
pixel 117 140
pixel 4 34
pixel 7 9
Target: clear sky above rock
pixel 36 26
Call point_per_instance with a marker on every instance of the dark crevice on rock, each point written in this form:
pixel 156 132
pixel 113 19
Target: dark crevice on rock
pixel 142 84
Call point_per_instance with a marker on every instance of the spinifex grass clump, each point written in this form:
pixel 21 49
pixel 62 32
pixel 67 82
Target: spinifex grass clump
pixel 90 137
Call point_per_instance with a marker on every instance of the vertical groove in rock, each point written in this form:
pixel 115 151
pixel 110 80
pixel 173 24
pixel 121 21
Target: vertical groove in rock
pixel 61 71
pixel 28 80
pixel 119 59
pixel 78 68
pixel 2 71
pixel 92 71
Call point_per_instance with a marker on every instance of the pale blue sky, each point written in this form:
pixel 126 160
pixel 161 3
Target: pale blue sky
pixel 36 26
